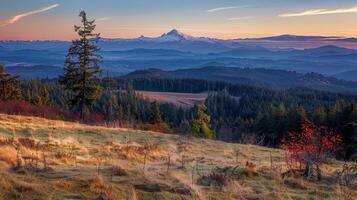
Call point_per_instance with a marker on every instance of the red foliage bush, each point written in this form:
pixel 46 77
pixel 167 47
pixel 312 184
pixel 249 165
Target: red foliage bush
pixel 95 118
pixel 24 108
pixel 312 145
pixel 161 127
pixel 157 127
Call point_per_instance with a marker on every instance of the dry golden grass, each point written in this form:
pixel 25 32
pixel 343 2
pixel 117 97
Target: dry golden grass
pixel 185 100
pixel 98 184
pixel 63 160
pixel 8 155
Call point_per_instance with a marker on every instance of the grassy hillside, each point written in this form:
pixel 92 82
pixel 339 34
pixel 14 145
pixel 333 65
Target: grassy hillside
pixel 44 159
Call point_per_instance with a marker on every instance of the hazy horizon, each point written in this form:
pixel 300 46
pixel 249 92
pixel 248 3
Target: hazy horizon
pixel 197 36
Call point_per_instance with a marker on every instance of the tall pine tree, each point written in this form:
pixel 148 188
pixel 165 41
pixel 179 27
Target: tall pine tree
pixel 82 71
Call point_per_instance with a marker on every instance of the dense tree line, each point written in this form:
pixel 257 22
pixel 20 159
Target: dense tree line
pixel 164 84
pixel 237 113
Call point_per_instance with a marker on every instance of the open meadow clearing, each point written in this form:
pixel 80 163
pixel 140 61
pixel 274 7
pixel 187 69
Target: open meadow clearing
pixel 184 100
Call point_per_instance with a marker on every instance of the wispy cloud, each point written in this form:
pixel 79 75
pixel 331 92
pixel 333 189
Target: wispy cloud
pixel 240 18
pixel 320 12
pixel 20 16
pixel 103 19
pixel 226 8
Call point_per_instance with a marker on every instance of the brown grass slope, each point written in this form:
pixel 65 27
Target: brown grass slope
pixel 185 100
pixel 46 159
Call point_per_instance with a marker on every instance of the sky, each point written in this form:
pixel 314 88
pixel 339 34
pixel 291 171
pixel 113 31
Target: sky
pixel 226 19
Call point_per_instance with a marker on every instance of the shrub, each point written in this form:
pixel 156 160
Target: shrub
pixel 118 170
pixel 24 108
pixel 157 127
pixel 310 147
pixel 213 179
pixel 295 183
pixel 95 118
pixel 98 184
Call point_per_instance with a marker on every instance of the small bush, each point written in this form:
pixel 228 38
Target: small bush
pixel 214 179
pixel 5 183
pixel 148 187
pixel 118 170
pixel 295 184
pixel 237 173
pixel 98 184
pixel 24 108
pixel 27 142
pixel 95 118
pixel 107 194
pixel 157 127
pixel 64 184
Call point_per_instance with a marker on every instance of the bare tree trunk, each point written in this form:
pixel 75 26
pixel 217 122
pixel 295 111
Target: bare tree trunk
pixel 168 162
pixel 44 161
pixel 309 169
pixel 37 157
pixel 18 158
pixel 145 155
pixel 319 176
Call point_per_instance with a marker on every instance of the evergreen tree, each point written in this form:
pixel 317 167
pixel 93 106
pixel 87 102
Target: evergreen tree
pixel 201 126
pixel 45 97
pixel 297 116
pixel 9 86
pixel 42 98
pixel 82 70
pixel 319 115
pixel 156 115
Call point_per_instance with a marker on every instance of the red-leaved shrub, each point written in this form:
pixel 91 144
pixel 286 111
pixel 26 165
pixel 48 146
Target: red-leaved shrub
pixel 24 108
pixel 311 146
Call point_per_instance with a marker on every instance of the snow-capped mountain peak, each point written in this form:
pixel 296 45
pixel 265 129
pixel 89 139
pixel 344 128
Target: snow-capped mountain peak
pixel 172 36
pixel 175 35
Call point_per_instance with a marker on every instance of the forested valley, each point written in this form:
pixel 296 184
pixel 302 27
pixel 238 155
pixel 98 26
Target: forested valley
pixel 238 113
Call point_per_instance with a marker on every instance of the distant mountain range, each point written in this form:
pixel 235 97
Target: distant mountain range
pixel 349 75
pixel 174 39
pixel 271 78
pixel 298 38
pixel 330 56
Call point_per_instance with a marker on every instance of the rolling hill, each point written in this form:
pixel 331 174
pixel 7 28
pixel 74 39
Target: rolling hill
pixel 276 79
pixel 48 159
pixel 349 75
